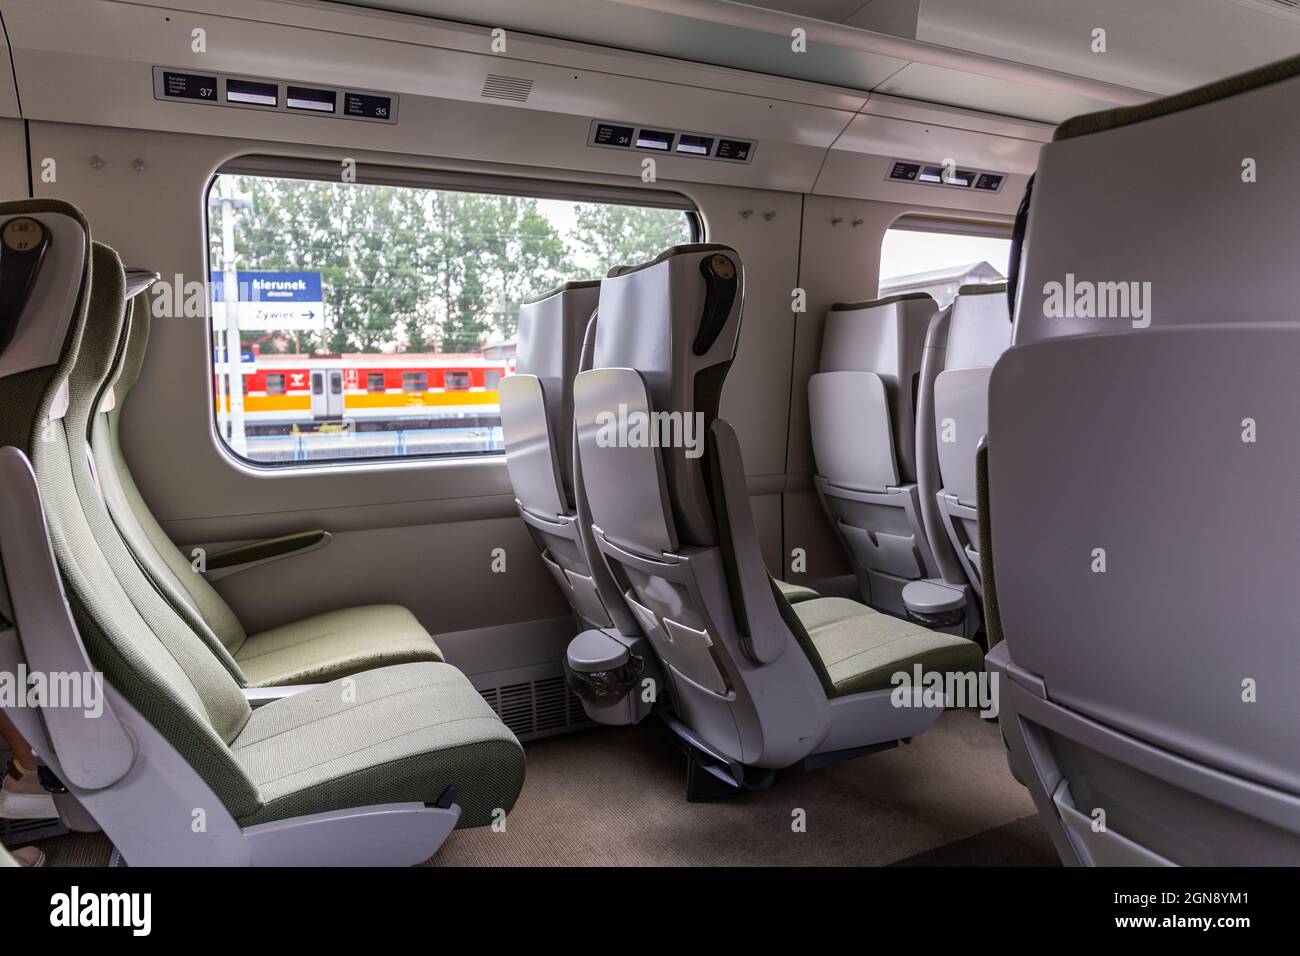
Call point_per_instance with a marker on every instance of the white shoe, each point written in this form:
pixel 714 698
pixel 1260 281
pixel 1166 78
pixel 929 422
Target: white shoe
pixel 23 798
pixel 28 856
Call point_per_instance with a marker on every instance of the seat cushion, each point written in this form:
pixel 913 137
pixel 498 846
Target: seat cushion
pixel 393 735
pixel 863 648
pixel 794 593
pixel 335 644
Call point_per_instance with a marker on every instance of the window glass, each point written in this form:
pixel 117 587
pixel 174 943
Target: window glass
pixel 382 284
pixel 940 263
pixel 274 383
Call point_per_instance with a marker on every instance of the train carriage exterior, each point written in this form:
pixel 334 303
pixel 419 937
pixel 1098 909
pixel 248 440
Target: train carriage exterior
pixel 373 391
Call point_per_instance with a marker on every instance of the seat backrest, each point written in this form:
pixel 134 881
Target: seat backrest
pixel 537 400
pixel 162 669
pixel 1140 498
pixel 537 424
pixel 1175 234
pixel 870 349
pixel 964 344
pixel 189 592
pixel 862 406
pixel 670 509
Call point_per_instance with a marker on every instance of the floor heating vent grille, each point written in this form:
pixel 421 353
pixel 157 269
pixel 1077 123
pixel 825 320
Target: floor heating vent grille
pixel 536 708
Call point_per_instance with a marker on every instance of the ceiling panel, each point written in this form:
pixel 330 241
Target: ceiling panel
pixel 937 84
pixel 1164 46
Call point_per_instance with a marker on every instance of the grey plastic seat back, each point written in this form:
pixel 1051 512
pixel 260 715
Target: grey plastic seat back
pixel 537 422
pixel 965 343
pixel 1141 488
pixel 656 462
pixel 862 406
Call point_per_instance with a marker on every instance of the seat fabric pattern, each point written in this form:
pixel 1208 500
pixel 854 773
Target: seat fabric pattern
pixel 392 735
pixel 862 648
pixel 335 644
pixel 189 592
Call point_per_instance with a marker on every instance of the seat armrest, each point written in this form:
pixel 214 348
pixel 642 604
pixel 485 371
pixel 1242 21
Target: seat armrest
pixel 762 644
pixel 241 558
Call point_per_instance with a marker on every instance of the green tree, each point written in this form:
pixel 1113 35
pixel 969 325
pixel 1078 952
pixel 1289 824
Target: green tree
pixel 436 269
pixel 625 235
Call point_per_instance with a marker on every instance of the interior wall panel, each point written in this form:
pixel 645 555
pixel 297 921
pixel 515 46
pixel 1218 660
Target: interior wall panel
pixel 13 160
pixel 154 216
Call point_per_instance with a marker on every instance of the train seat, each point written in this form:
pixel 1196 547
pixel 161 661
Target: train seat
pixel 1139 485
pixel 374 769
pixel 754 681
pixel 319 648
pixel 963 344
pixel 862 408
pixel 537 423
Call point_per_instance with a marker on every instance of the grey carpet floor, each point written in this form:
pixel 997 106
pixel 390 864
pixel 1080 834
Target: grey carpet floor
pixel 616 797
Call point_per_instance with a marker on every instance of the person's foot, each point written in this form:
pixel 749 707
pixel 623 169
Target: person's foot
pixel 23 798
pixel 28 856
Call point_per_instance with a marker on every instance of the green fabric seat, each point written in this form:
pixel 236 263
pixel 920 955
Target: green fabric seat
pixel 334 644
pixel 402 733
pixel 319 648
pixel 794 593
pixel 862 648
pixel 393 735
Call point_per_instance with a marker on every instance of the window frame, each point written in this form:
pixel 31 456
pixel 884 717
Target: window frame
pixel 377 174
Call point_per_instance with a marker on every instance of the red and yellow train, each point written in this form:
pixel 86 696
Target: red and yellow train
pixel 373 391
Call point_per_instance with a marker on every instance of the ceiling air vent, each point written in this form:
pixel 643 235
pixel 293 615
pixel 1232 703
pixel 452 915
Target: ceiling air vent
pixel 513 88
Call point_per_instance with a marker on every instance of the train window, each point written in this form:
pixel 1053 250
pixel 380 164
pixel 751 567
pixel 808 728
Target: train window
pixel 941 257
pixel 346 287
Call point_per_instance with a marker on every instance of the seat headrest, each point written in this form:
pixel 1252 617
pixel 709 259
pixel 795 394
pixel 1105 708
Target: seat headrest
pixel 47 319
pixel 1166 214
pixel 979 327
pixel 101 340
pixel 875 336
pixel 551 329
pixel 676 321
